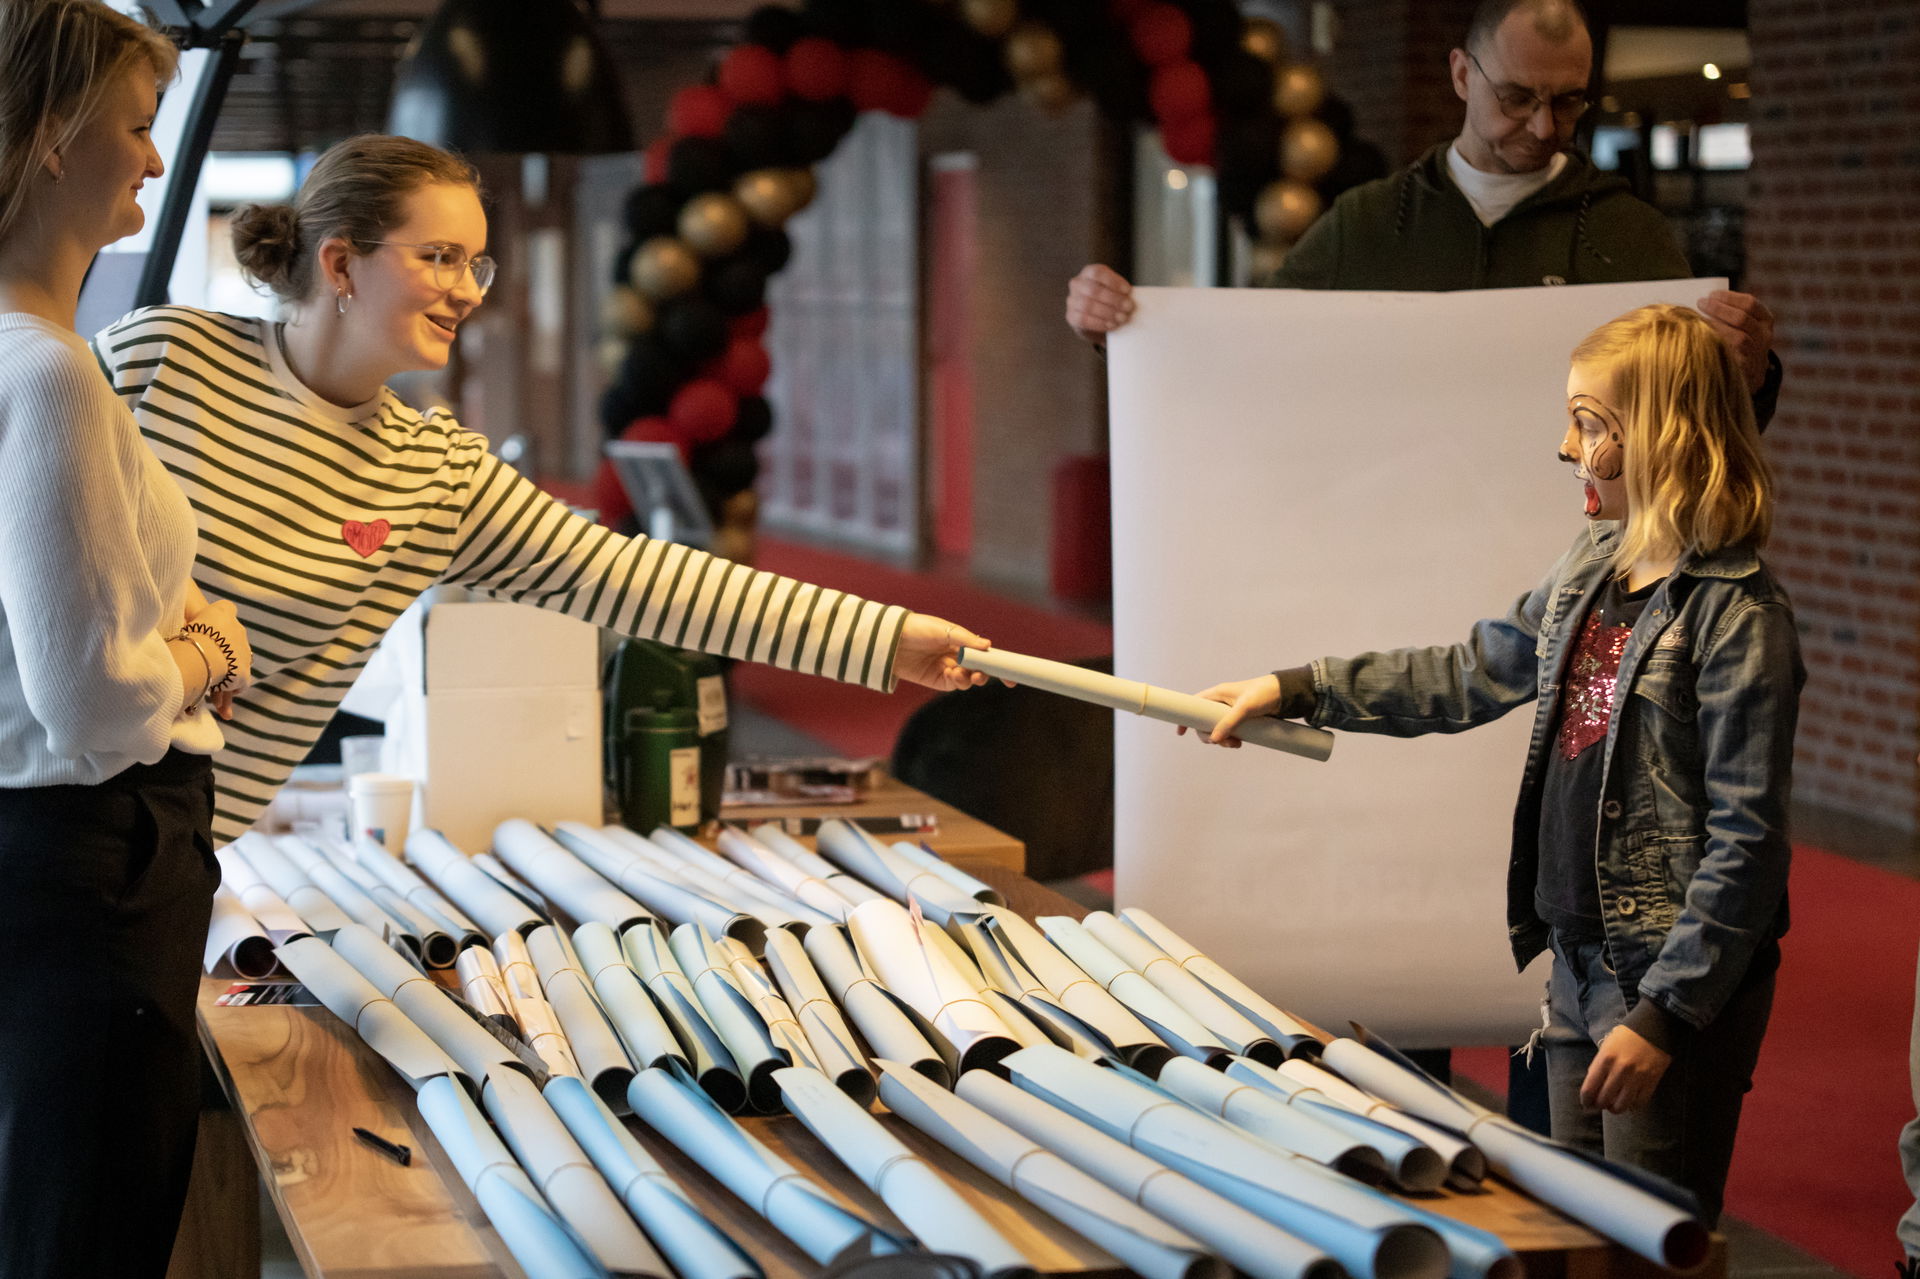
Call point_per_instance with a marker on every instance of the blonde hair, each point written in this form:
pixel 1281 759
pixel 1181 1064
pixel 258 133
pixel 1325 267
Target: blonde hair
pixel 355 192
pixel 58 58
pixel 1696 480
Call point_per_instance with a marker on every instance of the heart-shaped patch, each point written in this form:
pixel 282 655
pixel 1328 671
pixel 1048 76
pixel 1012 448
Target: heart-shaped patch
pixel 365 539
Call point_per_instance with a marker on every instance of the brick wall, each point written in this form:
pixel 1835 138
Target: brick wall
pixel 1390 63
pixel 1834 247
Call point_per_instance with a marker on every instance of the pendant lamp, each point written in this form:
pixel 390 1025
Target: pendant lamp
pixel 511 76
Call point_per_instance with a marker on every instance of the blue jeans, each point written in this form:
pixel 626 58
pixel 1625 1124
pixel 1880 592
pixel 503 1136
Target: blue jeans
pixel 1909 1228
pixel 1685 1132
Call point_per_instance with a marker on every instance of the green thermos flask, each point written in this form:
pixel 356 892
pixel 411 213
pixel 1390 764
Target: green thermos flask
pixel 660 781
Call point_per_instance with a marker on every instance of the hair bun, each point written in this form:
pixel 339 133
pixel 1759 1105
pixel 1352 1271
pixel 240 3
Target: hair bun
pixel 266 242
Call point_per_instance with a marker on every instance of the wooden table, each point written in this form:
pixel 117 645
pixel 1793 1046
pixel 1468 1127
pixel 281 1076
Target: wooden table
pixel 959 835
pixel 299 1080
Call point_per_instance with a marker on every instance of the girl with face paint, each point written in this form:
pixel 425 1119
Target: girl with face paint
pixel 1650 848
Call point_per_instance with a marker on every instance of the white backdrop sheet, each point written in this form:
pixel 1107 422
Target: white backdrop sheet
pixel 1298 474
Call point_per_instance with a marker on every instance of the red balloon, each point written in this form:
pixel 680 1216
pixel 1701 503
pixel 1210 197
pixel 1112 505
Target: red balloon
pixel 751 325
pixel 750 75
pixel 704 410
pixel 698 111
pixel 653 161
pixel 881 82
pixel 1125 11
pixel 1189 140
pixel 817 69
pixel 745 366
pixel 1161 33
pixel 1179 91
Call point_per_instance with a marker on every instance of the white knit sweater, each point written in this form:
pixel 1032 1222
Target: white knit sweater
pixel 96 544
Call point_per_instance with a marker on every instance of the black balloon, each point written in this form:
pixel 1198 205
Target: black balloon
pixel 1242 84
pixel 769 248
pixel 692 329
pixel 1337 114
pixel 622 272
pixel 757 138
pixel 647 379
pixel 1360 161
pixel 1107 65
pixel 754 422
pixel 724 468
pixel 814 129
pixel 843 21
pixel 651 211
pixel 737 285
pixel 976 69
pixel 1216 29
pixel 775 26
pixel 700 164
pixel 1249 146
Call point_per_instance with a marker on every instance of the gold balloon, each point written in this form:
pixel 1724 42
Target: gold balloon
pixel 1266 258
pixel 734 542
pixel 1286 209
pixel 766 195
pixel 1052 92
pixel 742 509
pixel 1308 150
pixel 664 268
pixel 625 313
pixel 802 186
pixel 1033 50
pixel 1265 39
pixel 991 18
pixel 713 224
pixel 611 352
pixel 1298 90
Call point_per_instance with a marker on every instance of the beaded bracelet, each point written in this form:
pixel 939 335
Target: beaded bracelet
pixel 233 662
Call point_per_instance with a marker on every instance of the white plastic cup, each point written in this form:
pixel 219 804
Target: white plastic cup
pixel 382 808
pixel 361 754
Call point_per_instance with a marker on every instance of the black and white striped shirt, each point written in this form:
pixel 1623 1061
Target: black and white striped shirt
pixel 323 523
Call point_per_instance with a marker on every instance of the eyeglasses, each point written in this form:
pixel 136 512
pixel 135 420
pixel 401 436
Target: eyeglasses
pixel 449 261
pixel 1517 103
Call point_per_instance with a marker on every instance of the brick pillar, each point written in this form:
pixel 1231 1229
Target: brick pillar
pixel 1390 62
pixel 1833 233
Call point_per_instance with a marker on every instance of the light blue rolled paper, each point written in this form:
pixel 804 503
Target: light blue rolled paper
pixel 676 1108
pixel 926 859
pixel 1411 1162
pixel 673 902
pixel 713 1066
pixel 637 1019
pixel 562 878
pixel 424 1003
pixel 470 889
pixel 774 906
pixel 401 879
pixel 378 1020
pixel 858 853
pixel 347 895
pixel 1262 1115
pixel 732 1016
pixel 695 1246
pixel 596 1047
pixel 526 1225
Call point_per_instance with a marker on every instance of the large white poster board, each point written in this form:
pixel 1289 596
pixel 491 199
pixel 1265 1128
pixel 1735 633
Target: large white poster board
pixel 1298 474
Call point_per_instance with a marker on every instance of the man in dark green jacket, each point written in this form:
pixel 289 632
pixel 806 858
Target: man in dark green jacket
pixel 1506 204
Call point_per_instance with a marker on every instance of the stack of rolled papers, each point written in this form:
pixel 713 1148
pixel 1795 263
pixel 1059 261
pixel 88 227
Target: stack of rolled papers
pixel 1466 1166
pixel 401 880
pixel 851 887
pixel 1073 990
pixel 564 879
pixel 831 1041
pixel 860 854
pixel 732 1016
pixel 782 872
pixel 1249 1003
pixel 636 1018
pixel 237 938
pixel 673 900
pixel 318 911
pixel 358 906
pixel 903 959
pixel 424 1004
pixel 1224 1022
pixel 1170 1023
pixel 772 905
pixel 711 1062
pixel 539 1024
pixel 439 942
pixel 268 908
pixel 888 1026
pixel 1411 1163
pixel 471 889
pixel 596 1048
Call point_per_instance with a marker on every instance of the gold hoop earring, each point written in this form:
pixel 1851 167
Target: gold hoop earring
pixel 341 300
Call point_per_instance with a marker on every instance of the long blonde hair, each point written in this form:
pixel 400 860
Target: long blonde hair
pixel 1696 480
pixel 57 60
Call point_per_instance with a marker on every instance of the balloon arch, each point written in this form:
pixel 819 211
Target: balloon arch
pixel 683 328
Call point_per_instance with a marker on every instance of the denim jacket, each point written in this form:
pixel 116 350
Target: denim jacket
pixel 1692 847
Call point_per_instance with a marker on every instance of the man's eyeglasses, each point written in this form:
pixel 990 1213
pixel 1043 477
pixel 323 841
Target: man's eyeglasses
pixel 1517 103
pixel 449 260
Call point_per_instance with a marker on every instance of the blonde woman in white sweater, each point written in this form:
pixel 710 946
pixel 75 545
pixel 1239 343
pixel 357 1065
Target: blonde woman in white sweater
pixel 107 654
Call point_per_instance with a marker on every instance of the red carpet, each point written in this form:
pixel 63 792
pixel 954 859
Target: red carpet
pixel 857 721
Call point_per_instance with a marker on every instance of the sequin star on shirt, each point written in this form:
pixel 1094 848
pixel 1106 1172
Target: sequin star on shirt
pixel 1592 680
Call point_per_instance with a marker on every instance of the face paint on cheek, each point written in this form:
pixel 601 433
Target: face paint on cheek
pixel 1607 458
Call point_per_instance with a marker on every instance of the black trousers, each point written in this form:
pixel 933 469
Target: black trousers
pixel 105 893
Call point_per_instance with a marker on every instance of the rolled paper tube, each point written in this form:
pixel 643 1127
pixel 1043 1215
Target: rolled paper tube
pixel 1464 1159
pixel 564 1175
pixel 732 1016
pixel 782 1026
pixel 887 1030
pixel 1192 995
pixel 482 986
pixel 603 1059
pixel 1298 1040
pixel 673 1106
pixel 562 878
pixel 833 1045
pixel 539 1024
pixel 530 897
pixel 858 853
pixel 1002 969
pixel 1253 1246
pixel 1411 1163
pixel 1261 1114
pixel 1366 1232
pixel 731 887
pixel 1649 1225
pixel 928 860
pixel 851 887
pixel 910 1187
pixel 471 890
pixel 526 1225
pixel 674 903
pixel 1136 698
pixel 424 1003
pixel 751 887
pixel 438 940
pixel 939 939
pixel 1073 990
pixel 649 1039
pixel 319 912
pixel 926 981
pixel 756 858
pixel 267 907
pixel 652 961
pixel 374 1017
pixel 1070 1031
pixel 353 899
pixel 1170 1023
pixel 693 1245
pixel 1147 1245
pixel 233 935
pixel 400 878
